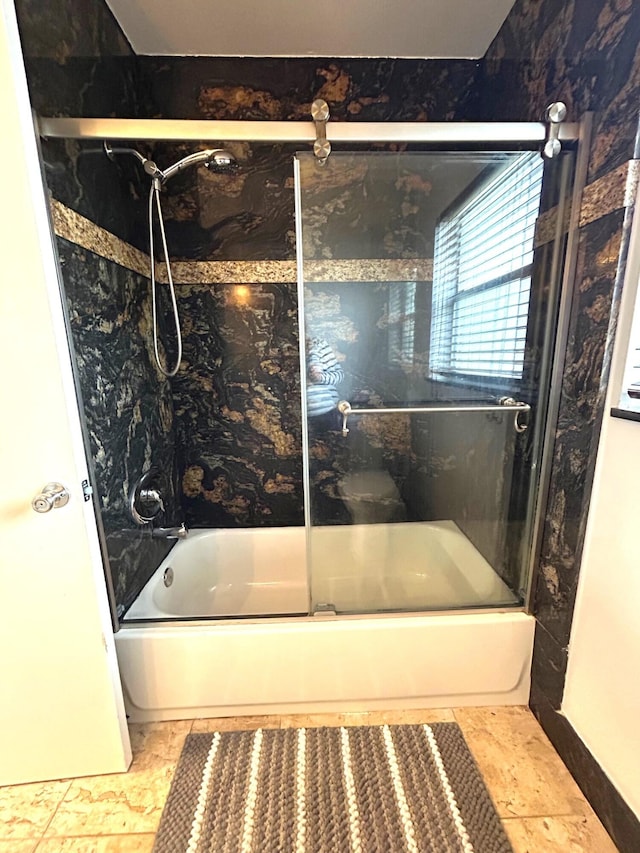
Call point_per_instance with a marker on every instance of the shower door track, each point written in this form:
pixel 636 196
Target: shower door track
pixel 300 131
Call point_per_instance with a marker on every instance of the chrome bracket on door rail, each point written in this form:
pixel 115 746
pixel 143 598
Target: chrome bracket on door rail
pixel 320 116
pixel 554 115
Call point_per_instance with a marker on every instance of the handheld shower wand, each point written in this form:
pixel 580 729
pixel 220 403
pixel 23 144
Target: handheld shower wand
pixel 215 159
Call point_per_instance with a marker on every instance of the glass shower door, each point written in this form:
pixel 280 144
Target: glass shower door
pixel 427 334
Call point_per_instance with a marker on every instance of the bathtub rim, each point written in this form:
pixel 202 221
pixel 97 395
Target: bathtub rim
pixel 200 622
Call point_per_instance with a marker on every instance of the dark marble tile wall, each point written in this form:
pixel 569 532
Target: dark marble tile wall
pixel 588 55
pixel 127 406
pixel 280 89
pixel 251 215
pixel 66 29
pixel 245 216
pixel 237 406
pixel 583 53
pixel 79 63
pixel 581 402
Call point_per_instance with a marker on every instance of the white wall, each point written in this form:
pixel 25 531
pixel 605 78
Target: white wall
pixel 602 691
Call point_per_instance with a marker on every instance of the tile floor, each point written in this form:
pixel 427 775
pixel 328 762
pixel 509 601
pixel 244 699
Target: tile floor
pixel 541 807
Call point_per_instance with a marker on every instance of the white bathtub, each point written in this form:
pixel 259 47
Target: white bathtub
pixel 361 568
pixel 217 573
pixel 309 664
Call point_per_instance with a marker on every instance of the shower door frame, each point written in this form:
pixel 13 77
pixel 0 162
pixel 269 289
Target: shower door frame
pixel 546 414
pixel 429 133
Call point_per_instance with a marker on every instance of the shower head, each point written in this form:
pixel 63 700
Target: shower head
pixel 221 161
pixel 215 159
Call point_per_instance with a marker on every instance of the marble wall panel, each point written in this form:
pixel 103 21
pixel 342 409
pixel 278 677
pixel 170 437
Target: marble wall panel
pixel 280 89
pixel 79 63
pixel 237 406
pixel 583 52
pixel 250 215
pixel 244 216
pixel 578 424
pixel 127 405
pixel 111 194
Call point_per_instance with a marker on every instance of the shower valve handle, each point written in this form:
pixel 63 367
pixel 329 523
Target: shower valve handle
pixel 53 496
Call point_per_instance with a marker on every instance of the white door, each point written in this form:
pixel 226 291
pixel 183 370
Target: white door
pixel 61 708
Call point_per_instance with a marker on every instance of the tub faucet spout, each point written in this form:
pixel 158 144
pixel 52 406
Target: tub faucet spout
pixel 170 532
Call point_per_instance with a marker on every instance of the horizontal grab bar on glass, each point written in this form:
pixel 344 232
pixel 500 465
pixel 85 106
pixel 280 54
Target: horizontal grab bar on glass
pixel 505 404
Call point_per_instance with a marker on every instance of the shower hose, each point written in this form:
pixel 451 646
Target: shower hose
pixel 155 192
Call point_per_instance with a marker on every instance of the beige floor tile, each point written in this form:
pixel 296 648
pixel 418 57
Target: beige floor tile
pixel 125 803
pixel 558 835
pixel 367 718
pixel 98 844
pixel 25 810
pixel 157 745
pixel 236 724
pixel 522 771
pixel 16 845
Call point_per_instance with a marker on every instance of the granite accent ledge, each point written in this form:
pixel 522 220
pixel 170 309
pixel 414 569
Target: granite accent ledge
pixel 383 269
pixel 546 226
pixel 613 191
pixel 74 228
pixel 229 272
pixel 79 230
pixel 240 272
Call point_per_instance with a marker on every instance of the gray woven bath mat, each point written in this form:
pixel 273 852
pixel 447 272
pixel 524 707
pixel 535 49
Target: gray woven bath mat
pixel 370 789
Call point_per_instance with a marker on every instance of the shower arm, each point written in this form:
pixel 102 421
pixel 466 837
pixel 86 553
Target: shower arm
pixel 110 151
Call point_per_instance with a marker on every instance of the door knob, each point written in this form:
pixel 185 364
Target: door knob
pixel 53 496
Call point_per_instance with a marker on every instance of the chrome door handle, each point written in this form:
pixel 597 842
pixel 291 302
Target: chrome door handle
pixel 53 496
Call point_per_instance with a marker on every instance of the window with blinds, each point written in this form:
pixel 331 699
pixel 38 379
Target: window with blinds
pixel 401 322
pixel 482 275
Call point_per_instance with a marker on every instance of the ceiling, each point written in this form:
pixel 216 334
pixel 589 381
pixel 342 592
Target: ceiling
pixel 421 29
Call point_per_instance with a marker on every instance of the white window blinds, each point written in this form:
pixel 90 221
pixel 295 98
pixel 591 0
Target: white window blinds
pixel 401 322
pixel 482 275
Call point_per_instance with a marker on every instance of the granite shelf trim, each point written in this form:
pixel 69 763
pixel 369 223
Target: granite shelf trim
pixel 358 270
pixel 76 229
pixel 613 191
pixel 83 232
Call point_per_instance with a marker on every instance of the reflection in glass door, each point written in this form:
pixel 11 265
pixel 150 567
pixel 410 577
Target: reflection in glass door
pixel 427 336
